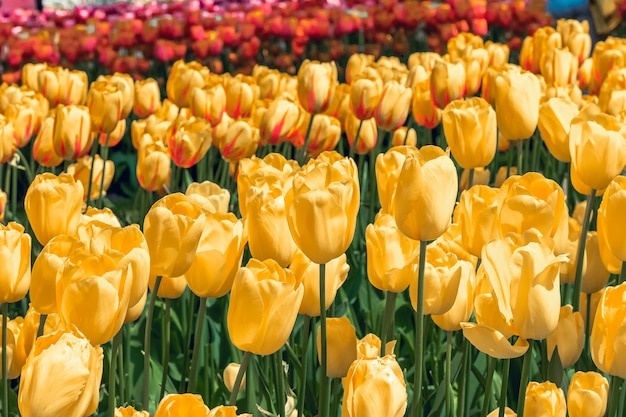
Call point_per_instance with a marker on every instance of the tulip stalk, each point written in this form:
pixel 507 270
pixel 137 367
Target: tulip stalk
pixel 242 371
pixel 92 154
pixel 5 379
pixel 42 324
pixel 302 158
pixel 166 345
pixel 521 399
pixel 280 383
pixel 356 138
pixel 465 373
pixel 580 253
pixel 470 179
pixel 491 367
pixel 520 155
pixel 146 343
pixel 622 275
pixel 324 400
pixel 506 365
pixel 306 331
pixel 614 395
pixel 390 308
pixel 115 344
pixel 196 345
pixel 419 334
pixel 448 366
pixel 105 156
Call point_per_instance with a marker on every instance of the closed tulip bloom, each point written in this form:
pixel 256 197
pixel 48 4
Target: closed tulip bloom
pixel 393 108
pixel 309 274
pixel 30 74
pixel 174 215
pixel 568 337
pixel 15 260
pixel 544 399
pixel 230 375
pixel 374 387
pixel 340 103
pixel 241 94
pixel 462 305
pixel 7 140
pixel 218 256
pixel 426 194
pixel 598 149
pixel 264 303
pixel 279 121
pixel 241 141
pixel 209 103
pixel 153 165
pixel 517 104
pixel 147 97
pixel 401 137
pixel 470 129
pixel 46 197
pixel 61 359
pixel 587 395
pixel 477 215
pixel 170 287
pixel 104 101
pixel 447 82
pixel 476 63
pixel 610 219
pixel 61 86
pixel 24 120
pixel 129 411
pixel 182 79
pixel 209 196
pixel 113 138
pixel 498 53
pixel 559 67
pixel 365 94
pixel 15 361
pixel 424 110
pixel 81 171
pixel 368 134
pixel 316 84
pixel 481 177
pixel 182 405
pixel 391 256
pixel 324 136
pixel 322 206
pixel 507 413
pixel 606 344
pixel 555 117
pixel 356 65
pixel 188 141
pixel 71 133
pixel 126 85
pixel 341 345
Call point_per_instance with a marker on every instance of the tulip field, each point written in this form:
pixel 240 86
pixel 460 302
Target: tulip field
pixel 396 209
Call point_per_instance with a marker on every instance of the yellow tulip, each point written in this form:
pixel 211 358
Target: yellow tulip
pixel 463 304
pixel 356 65
pixel 188 141
pixel 129 411
pixel 476 64
pixel 174 215
pixel 153 165
pixel 365 94
pixel 447 82
pixel 368 134
pixel 279 121
pixel 15 272
pixel 559 67
pixel 325 135
pixel 507 413
pixel 606 345
pixel 81 171
pixel 575 36
pixel 230 375
pixel 611 219
pixel 339 105
pixel 477 214
pixel 316 84
pixel 71 138
pixel 78 367
pixel 182 405
pixel 587 395
pixel 147 97
pixel 241 141
pixel 393 108
pixel 341 345
pixel 3 204
pixel 61 86
pixel 264 303
pixel 15 361
pixel 374 387
pixel 46 198
pixel 368 347
pixel 30 75
pixel 182 79
pixel 218 256
pixel 544 399
pixel 598 149
pixel 104 101
pixel 43 146
pixel 470 129
pixel 555 117
pixel 424 110
pixel 126 85
pixel 426 193
pixel 322 206
pixel 209 196
pixel 481 177
pixel 241 94
pixel 568 337
pixel 425 59
pixel 24 120
pixel 391 256
pixel 401 137
pixel 517 104
pixel 498 53
pixel 612 96
pixel 170 287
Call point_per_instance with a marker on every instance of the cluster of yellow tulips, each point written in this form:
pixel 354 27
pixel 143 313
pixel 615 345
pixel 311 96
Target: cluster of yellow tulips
pixel 499 262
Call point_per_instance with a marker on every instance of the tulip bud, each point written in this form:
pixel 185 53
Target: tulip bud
pixel 153 165
pixel 71 138
pixel 517 104
pixel 568 337
pixel 324 136
pixel 209 102
pixel 606 348
pixel 447 82
pixel 182 80
pixel 279 121
pixel 544 399
pixel 104 101
pixel 555 117
pixel 316 84
pixel 587 395
pixel 241 94
pixel 393 108
pixel 147 97
pixel 188 141
pixel 175 405
pixel 230 375
pixel 477 214
pixel 367 131
pixel 365 94
pixel 341 346
pixel 241 141
pixel 129 411
pixel 423 108
pixel 209 196
pixel 81 171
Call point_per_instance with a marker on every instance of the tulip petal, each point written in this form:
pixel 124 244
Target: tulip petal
pixel 492 342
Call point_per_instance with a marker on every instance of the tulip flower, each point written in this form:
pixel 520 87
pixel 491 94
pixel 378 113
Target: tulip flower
pixel 470 129
pixel 209 196
pixel 178 405
pixel 374 387
pixel 264 296
pixel 447 82
pixel 402 137
pixel 507 413
pixel 568 337
pixel 71 138
pixel 612 96
pixel 15 361
pixel 188 141
pixel 606 346
pixel 126 85
pixel 341 342
pixel 15 257
pixel 279 121
pixel 230 376
pixel 241 141
pixel 356 65
pixel 325 134
pixel 24 120
pixel 587 395
pixel 575 37
pixel 424 111
pixel 559 67
pixel 147 97
pixel 544 399
pixel 555 117
pixel 153 165
pixel 462 305
pixel 104 101
pixel 241 94
pixel 428 185
pixel 316 83
pixel 129 411
pixel 7 140
pixel 609 220
pixel 182 79
pixel 322 206
pixel 517 104
pixel 498 53
pixel 46 197
pixel 365 94
pixel 393 107
pixel 78 368
pixel 30 74
pixel 170 287
pixel 81 171
pixel 362 134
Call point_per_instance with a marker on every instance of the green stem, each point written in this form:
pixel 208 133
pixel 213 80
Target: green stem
pixel 506 365
pixel 614 388
pixel 463 385
pixel 105 156
pixel 242 371
pixel 280 382
pixel 622 275
pixel 491 367
pixel 470 180
pixel 302 158
pixel 390 308
pixel 580 254
pixel 114 348
pixel 336 397
pixel 92 153
pixel 5 379
pixel 419 334
pixel 120 367
pixel 306 331
pixel 356 138
pixel 587 353
pixel 188 332
pixel 324 400
pixel 166 350
pixel 448 366
pixel 251 390
pixel 520 155
pixel 196 345
pixel 521 398
pixel 146 344
pixel 42 324
pixel 536 145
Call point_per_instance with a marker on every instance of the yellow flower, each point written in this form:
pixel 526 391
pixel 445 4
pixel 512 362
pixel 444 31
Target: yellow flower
pixel 182 405
pixel 365 94
pixel 81 171
pixel 611 220
pixel 587 395
pixel 104 101
pixel 316 84
pixel 555 117
pixel 559 67
pixel 209 196
pixel 341 345
pixel 15 271
pixel 241 94
pixel 147 97
pixel 188 141
pixel 568 337
pixel 388 168
pixel 71 133
pixel 368 134
pixel 230 375
pixel 182 79
pixel 607 347
pixel 477 214
pixel 15 361
pixel 544 399
pixel 517 104
pixel 129 411
pixel 447 82
pixel 393 108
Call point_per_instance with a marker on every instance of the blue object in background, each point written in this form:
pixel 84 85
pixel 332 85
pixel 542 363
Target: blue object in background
pixel 559 6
